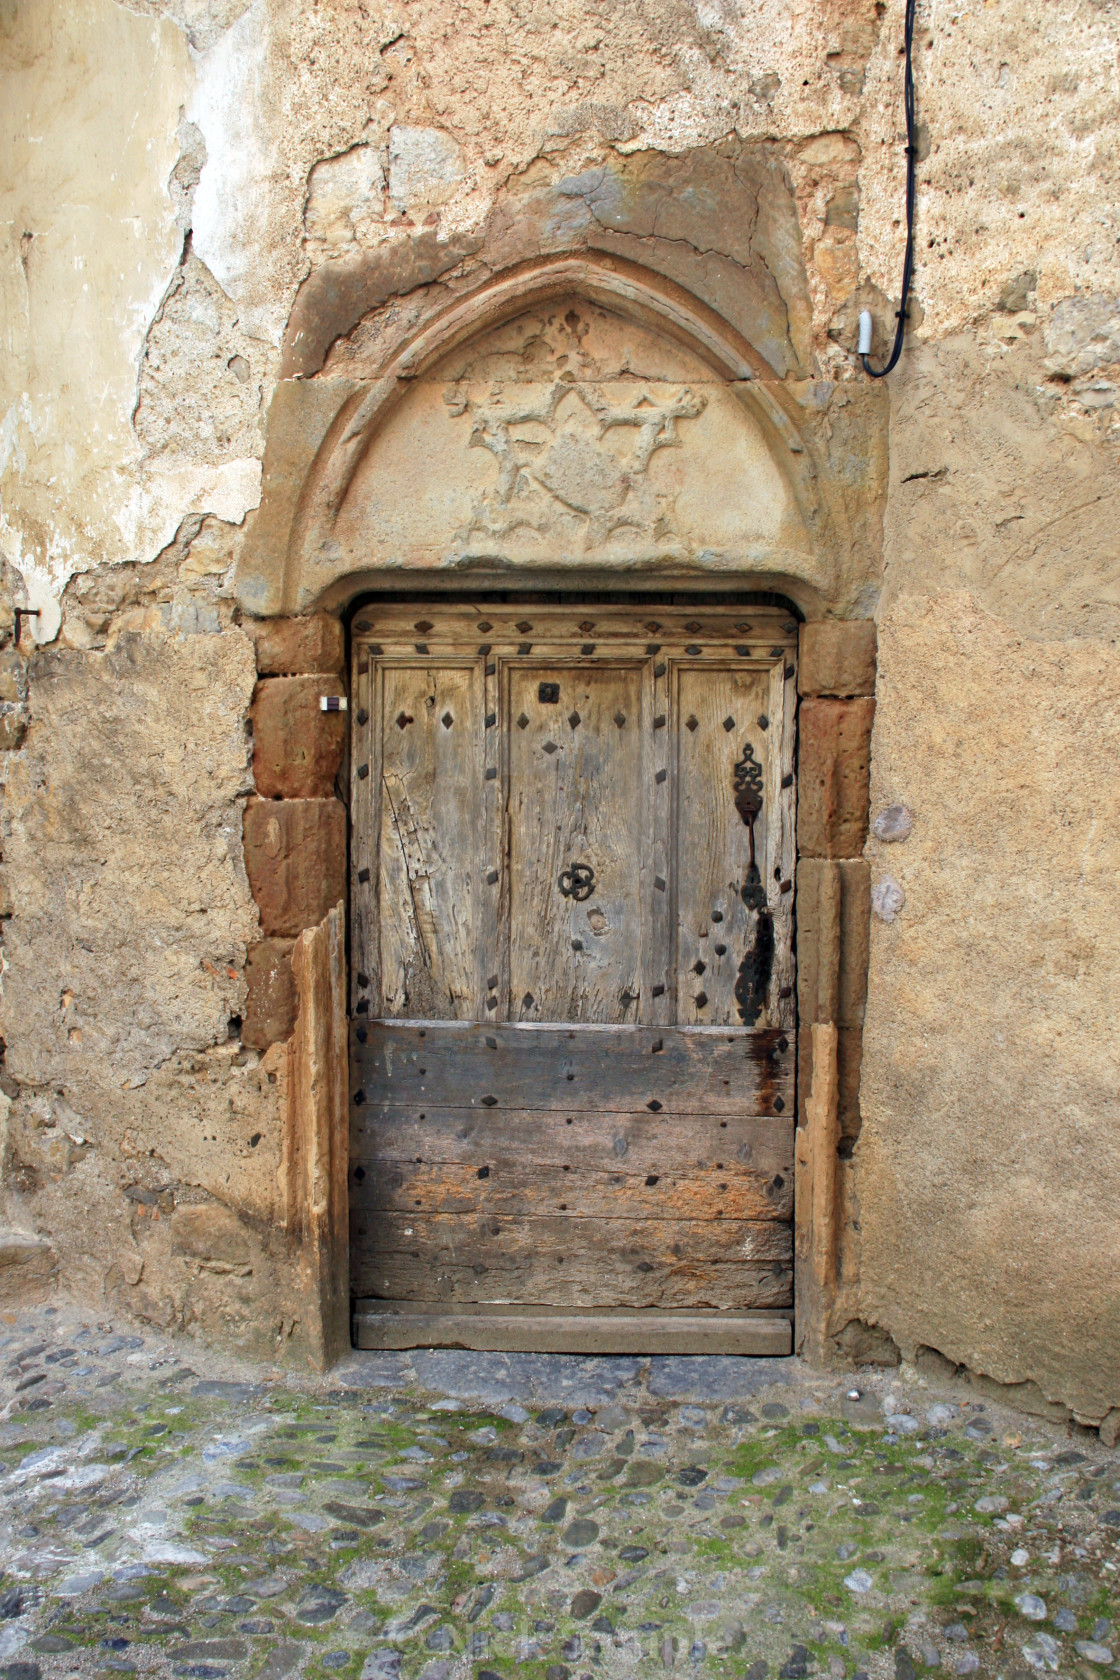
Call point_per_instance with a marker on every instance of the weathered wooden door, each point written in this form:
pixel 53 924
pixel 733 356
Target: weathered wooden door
pixel 573 1043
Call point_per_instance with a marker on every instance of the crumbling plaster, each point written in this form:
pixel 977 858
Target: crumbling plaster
pixel 220 219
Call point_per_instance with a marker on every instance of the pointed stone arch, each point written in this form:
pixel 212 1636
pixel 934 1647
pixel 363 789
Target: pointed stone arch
pixel 726 484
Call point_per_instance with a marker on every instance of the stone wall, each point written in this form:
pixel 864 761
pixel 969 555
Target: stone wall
pixel 223 225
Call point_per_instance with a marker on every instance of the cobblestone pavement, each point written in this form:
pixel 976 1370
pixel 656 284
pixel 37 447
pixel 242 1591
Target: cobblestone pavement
pixel 452 1516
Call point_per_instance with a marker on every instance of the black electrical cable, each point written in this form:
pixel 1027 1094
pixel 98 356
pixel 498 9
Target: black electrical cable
pixel 911 195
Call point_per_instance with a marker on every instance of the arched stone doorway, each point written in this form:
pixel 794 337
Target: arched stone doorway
pixel 578 426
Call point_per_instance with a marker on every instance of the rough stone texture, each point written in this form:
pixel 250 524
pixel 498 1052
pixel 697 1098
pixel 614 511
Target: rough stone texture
pixel 270 994
pixel 297 646
pixel 194 203
pixel 990 1055
pixel 295 853
pixel 836 657
pixel 833 926
pixel 834 752
pixel 297 747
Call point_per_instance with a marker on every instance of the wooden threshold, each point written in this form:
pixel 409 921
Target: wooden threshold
pixel 493 1329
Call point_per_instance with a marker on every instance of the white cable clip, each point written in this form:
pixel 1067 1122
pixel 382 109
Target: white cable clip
pixel 865 328
pixel 333 703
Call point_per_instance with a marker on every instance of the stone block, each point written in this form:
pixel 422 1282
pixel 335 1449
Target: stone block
pixel 289 647
pixel 297 747
pixel 13 727
pixel 849 1062
pixel 833 932
pixel 833 789
pixel 837 657
pixel 270 1006
pixel 211 1235
pixel 295 855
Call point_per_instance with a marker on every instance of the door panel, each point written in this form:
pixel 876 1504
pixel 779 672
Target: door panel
pixel 573 1042
pixel 574 795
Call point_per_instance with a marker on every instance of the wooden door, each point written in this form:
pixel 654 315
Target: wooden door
pixel 573 1041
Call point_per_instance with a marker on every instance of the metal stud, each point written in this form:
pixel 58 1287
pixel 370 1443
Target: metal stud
pixel 491 774
pixel 659 721
pixel 701 1000
pixel 363 772
pixel 363 624
pixel 729 724
pixel 588 647
pixel 654 1106
pixel 363 877
pixel 661 776
pixel 423 625
pixel 491 719
pixel 491 877
pixel 489 1102
pixel 659 670
pixel 692 724
pixel 403 720
pixel 484 629
pixel 764 721
pixel 550 747
pixel 362 715
pixel 658 991
pixel 524 647
pixel 693 649
pixel 421 647
pixel 523 722
pixel 523 626
pixel 483 649
pixel 574 719
pixel 492 983
pixel 620 718
pixel 787 779
pixel 659 882
pixel 743 651
pixel 779 1105
pixel 447 720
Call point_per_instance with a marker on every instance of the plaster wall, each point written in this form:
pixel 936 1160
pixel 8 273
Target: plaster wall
pixel 220 224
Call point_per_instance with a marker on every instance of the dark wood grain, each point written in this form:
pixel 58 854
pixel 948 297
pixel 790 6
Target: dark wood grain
pixel 580 1070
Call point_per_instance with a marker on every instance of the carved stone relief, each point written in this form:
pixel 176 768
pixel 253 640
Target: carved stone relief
pixel 573 465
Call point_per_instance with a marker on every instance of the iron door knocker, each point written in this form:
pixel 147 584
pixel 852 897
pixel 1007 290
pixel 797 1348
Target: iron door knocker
pixel 577 881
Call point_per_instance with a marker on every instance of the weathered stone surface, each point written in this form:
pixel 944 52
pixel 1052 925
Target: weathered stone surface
pixel 295 853
pixel 27 1265
pixel 122 831
pixel 833 930
pixel 833 777
pixel 849 1059
pixel 270 999
pixel 836 657
pixel 212 1235
pixel 297 747
pixel 290 647
pixel 985 1139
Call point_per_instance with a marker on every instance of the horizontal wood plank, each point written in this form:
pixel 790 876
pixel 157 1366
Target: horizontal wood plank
pixel 392 1324
pixel 562 1260
pixel 586 1069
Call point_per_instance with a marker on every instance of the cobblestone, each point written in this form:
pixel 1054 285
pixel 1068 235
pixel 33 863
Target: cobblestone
pixel 448 1516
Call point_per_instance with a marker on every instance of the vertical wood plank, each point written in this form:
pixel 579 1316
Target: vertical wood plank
pixel 431 835
pixel 782 840
pixel 721 710
pixel 365 823
pixel 574 797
